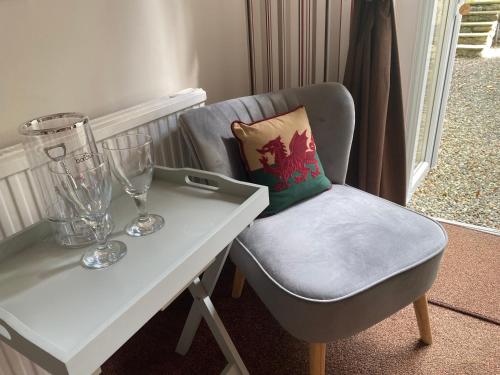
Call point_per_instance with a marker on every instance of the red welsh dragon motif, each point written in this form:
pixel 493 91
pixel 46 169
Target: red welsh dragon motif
pixel 286 166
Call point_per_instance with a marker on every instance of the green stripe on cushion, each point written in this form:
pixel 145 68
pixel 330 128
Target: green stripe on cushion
pixel 279 200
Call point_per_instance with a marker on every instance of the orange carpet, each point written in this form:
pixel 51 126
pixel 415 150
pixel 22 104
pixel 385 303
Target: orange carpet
pixel 469 278
pixel 462 344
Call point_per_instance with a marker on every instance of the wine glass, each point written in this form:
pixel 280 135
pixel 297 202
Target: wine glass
pixel 131 161
pixel 85 181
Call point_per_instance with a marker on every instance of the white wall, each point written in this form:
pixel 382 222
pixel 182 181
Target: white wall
pixel 97 56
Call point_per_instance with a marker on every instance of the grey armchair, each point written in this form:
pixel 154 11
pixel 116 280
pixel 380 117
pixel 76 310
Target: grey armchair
pixel 338 263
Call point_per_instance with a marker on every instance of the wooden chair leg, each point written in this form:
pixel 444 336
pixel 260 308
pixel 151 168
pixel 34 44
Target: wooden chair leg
pixel 317 354
pixel 238 283
pixel 422 313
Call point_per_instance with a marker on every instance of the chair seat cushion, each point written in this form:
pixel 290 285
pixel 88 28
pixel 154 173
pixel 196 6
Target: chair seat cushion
pixel 341 243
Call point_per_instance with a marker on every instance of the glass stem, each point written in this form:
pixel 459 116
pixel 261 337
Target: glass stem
pixel 140 202
pixel 100 232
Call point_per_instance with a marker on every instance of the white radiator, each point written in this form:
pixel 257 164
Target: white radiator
pixel 19 204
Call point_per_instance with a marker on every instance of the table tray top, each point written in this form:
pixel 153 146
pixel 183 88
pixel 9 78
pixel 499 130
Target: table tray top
pixel 59 314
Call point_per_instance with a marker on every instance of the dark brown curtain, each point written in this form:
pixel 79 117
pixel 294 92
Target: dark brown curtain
pixel 377 163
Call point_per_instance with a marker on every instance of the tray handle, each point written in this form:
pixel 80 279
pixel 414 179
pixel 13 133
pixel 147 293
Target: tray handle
pixel 8 334
pixel 30 348
pixel 206 180
pixel 201 183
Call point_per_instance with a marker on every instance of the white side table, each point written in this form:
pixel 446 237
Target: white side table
pixel 69 320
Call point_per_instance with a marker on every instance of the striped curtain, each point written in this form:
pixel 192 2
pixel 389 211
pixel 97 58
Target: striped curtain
pixel 295 43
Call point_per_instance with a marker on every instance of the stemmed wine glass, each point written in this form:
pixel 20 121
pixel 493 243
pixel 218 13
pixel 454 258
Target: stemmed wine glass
pixel 85 182
pixel 131 161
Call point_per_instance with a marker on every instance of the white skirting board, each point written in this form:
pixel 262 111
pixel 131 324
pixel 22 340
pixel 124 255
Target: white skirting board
pixel 19 204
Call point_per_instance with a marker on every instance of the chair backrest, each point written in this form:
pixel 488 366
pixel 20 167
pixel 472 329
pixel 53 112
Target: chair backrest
pixel 329 107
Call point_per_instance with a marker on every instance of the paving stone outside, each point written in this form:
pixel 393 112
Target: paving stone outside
pixel 464 186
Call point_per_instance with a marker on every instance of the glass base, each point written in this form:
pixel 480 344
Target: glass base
pixel 144 227
pixel 102 258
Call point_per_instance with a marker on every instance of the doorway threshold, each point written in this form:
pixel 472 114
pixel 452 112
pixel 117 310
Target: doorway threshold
pixel 488 230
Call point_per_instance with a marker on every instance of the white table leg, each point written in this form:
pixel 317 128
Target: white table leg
pixel 203 308
pixel 230 369
pixel 207 309
pixel 209 279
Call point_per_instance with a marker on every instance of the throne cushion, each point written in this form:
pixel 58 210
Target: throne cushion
pixel 280 152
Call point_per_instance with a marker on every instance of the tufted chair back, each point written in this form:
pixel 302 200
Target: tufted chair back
pixel 329 107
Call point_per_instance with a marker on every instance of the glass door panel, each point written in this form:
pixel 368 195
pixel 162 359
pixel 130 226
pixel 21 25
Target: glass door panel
pixel 431 94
